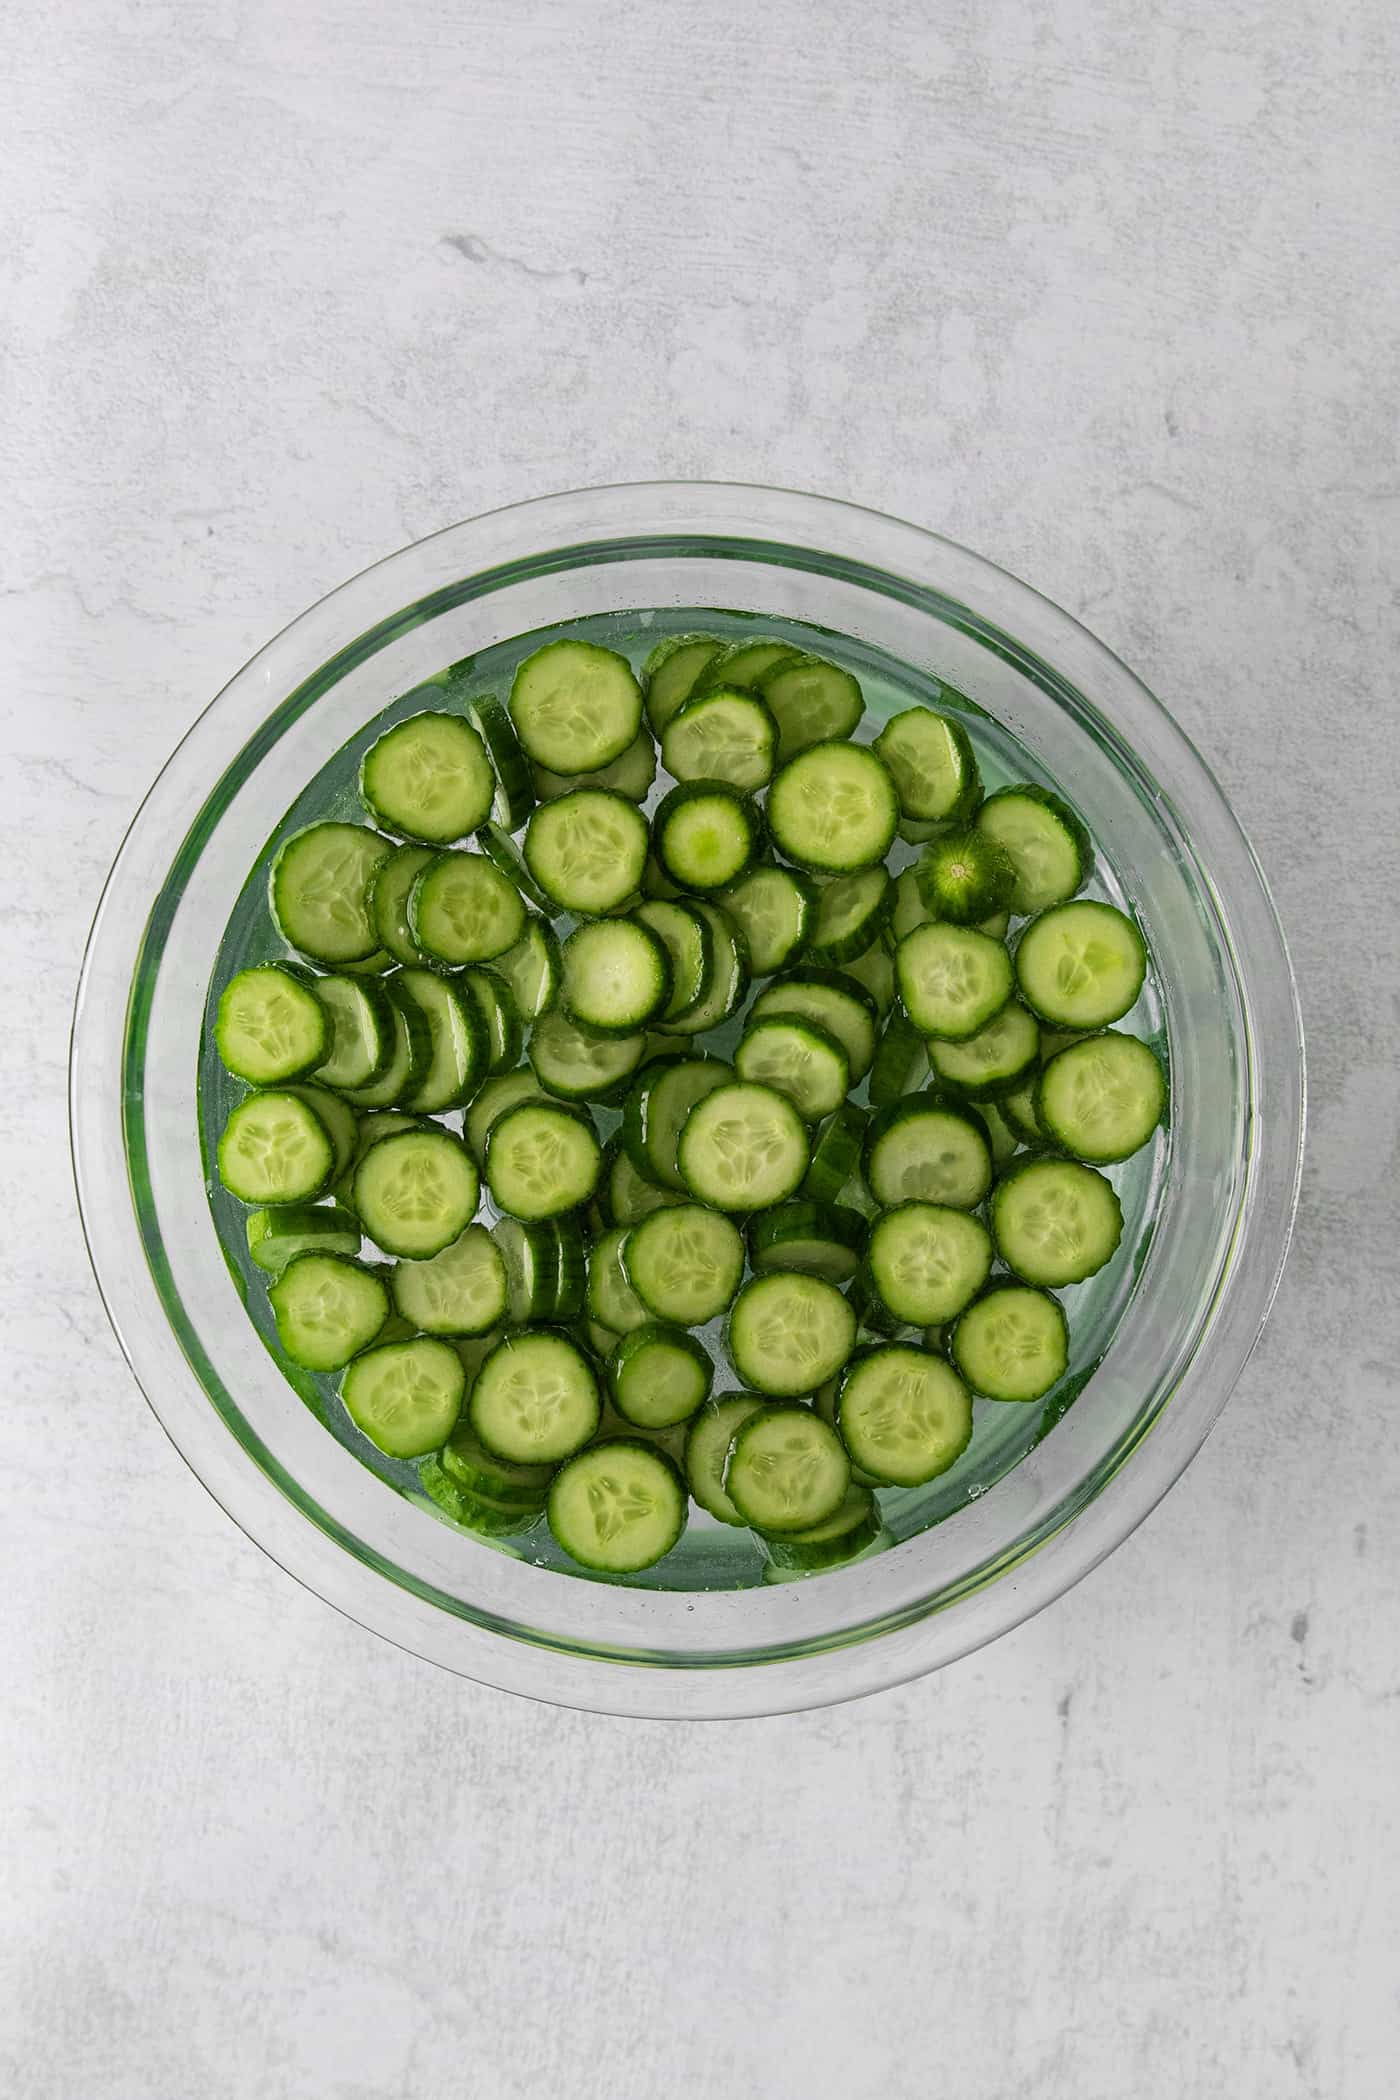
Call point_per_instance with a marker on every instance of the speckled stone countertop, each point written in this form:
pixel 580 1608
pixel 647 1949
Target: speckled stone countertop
pixel 1107 292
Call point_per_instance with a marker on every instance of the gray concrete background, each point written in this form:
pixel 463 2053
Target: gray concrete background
pixel 1108 292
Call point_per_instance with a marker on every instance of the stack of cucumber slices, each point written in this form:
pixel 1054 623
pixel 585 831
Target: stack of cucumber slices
pixel 612 1273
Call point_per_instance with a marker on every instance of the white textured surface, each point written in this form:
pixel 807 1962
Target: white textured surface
pixel 1107 291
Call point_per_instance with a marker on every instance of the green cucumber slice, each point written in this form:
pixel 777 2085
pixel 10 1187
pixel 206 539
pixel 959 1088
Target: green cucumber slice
pixel 661 1098
pixel 618 1507
pixel 684 1263
pixel 851 910
pixel 787 1469
pixel 541 1160
pixel 994 1062
pixel 617 976
pixel 462 909
pixel 904 1416
pixel 319 891
pixel 515 796
pixel 927 1261
pixel 833 808
pixel 428 779
pixel 789 1333
pixel 531 969
pixel 706 834
pixel 270 1026
pixel 1047 846
pixel 728 980
pixel 836 1153
pixel 722 734
pixel 773 909
pixel 743 1148
pixel 811 701
pixel 458 1046
pixel 535 1399
pixel 1102 1098
pixel 575 1065
pixel 631 775
pixel 405 1396
pixel 670 672
pixel 965 876
pixel 575 706
pixel 923 1149
pixel 275 1148
pixel 1012 1343
pixel 835 1002
pixel 933 765
pixel 1080 965
pixel 611 1301
pixel 952 979
pixel 659 1375
pixel 815 1239
pixel 707 1451
pixel 416 1192
pixel 799 1058
pixel 901 1062
pixel 462 1290
pixel 839 1538
pixel 360 1024
pixel 1055 1222
pixel 685 935
pixel 327 1308
pixel 276 1236
pixel 588 850
pixel 744 664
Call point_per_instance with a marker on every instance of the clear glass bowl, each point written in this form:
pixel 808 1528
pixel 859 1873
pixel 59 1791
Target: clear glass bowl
pixel 1220 1196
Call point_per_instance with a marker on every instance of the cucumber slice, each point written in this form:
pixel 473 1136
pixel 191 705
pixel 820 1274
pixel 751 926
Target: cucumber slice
pixel 686 937
pixel 531 969
pixel 319 891
pixel 811 701
pixel 429 779
pixel 901 1062
pixel 728 981
pixel 773 909
pixel 338 1117
pixel 588 850
pixel 799 1058
pixel 659 1376
pixel 927 1261
pixel 575 706
pixel 275 1148
pixel 1012 1343
pixel 952 979
pixel 661 1098
pixel 1047 846
pixel 465 1459
pixel 836 1153
pixel 462 909
pixel 327 1308
pixel 492 1100
pixel 833 808
pixel 535 1399
pixel 416 1192
pixel 874 972
pixel 707 1451
pixel 531 1255
pixel 611 1300
pixel 853 1526
pixel 851 910
pixel 277 1236
pixel 488 992
pixel 1102 1098
pixel 789 1333
pixel 360 1031
pixel 617 976
pixel 743 1148
pixel 684 1263
pixel 574 1065
pixel 934 769
pixel 1000 1136
pixel 815 1239
pixel 270 1026
pixel 965 876
pixel 503 853
pixel 1080 965
pixel 994 1062
pixel 744 664
pixel 1018 1107
pixel 515 796
pixel 670 672
pixel 460 1291
pixel 922 1149
pixel 723 734
pixel 1055 1221
pixel 836 1003
pixel 369 1129
pixel 907 909
pixel 618 1507
pixel 389 892
pixel 405 1396
pixel 482 1514
pixel 630 1196
pixel 905 1416
pixel 541 1160
pixel 706 834
pixel 458 1046
pixel 787 1469
pixel 631 775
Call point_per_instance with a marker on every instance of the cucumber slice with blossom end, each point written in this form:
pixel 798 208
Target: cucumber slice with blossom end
pixel 812 702
pixel 952 979
pixel 1102 1098
pixel 460 1291
pixel 659 1376
pixel 965 876
pixel 389 891
pixel 836 1154
pixel 787 1469
pixel 275 1149
pixel 531 969
pixel 416 1192
pixel 924 1149
pixel 851 910
pixel 535 1399
pixel 631 775
pixel 327 1308
pixel 277 1235
pixel 799 1058
pixel 1055 1221
pixel 684 1264
pixel 996 1061
pixel 462 909
pixel 743 1148
pixel 1080 965
pixel 654 1115
pixel 813 1239
pixel 428 779
pixel 773 909
pixel 707 1450
pixel 405 1396
pixel 270 1026
pixel 617 976
pixel 515 796
pixel 839 1538
pixel 319 891
pixel 728 982
pixel 618 1507
pixel 927 1261
pixel 685 935
pixel 588 850
pixel 789 1333
pixel 575 706
pixel 745 664
pixel 360 1031
pixel 901 1062
pixel 1047 846
pixel 670 672
pixel 706 833
pixel 1012 1343
pixel 904 1415
pixel 573 1064
pixel 504 1028
pixel 458 1044
pixel 542 1160
pixel 933 765
pixel 834 1001
pixel 833 809
pixel 722 734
